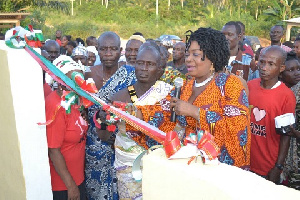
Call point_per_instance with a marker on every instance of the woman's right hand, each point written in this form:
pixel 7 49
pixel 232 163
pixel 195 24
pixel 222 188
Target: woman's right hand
pixel 73 193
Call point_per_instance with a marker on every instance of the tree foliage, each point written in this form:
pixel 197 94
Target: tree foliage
pixel 175 16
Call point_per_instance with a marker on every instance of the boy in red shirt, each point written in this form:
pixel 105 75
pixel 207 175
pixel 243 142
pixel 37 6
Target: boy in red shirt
pixel 269 98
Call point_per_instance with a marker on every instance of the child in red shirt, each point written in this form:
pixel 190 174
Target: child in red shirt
pixel 269 98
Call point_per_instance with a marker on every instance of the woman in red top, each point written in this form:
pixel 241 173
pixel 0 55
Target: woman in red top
pixel 66 141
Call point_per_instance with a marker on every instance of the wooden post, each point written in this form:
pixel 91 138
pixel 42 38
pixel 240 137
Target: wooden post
pixel 72 7
pixel 288 32
pixel 156 8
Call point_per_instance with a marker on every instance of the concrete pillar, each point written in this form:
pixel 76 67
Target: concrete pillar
pixel 24 168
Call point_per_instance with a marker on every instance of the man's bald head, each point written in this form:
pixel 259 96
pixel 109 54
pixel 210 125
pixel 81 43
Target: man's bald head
pixel 109 49
pixel 53 49
pixel 178 51
pixel 147 66
pixel 276 51
pixel 152 51
pixel 109 35
pixel 149 43
pixel 276 34
pixel 91 41
pixel 270 65
pixel 51 43
pixel 180 45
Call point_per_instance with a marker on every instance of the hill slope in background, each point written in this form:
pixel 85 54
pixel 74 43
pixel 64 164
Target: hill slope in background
pixel 92 18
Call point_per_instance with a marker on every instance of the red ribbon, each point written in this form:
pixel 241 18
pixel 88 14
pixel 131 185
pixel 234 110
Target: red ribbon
pixel 33 43
pixel 171 143
pixel 208 145
pixel 87 86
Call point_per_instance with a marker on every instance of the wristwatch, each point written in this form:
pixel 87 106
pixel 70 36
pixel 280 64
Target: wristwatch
pixel 279 166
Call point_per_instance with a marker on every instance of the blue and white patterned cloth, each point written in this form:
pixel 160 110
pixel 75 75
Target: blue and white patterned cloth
pixel 101 181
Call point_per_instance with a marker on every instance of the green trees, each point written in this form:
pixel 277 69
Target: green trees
pixel 21 5
pixel 91 17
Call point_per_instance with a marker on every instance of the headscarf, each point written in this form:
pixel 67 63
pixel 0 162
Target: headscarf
pixel 92 49
pixel 137 37
pixel 66 64
pixel 79 50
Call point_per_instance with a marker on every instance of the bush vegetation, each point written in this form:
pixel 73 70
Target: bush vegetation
pixel 127 17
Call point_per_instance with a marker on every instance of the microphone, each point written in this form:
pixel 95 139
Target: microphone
pixel 178 84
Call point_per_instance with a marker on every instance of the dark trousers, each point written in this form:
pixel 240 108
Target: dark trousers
pixel 63 195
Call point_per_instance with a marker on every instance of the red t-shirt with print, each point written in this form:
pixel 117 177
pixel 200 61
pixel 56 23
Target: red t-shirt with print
pixel 266 105
pixel 67 132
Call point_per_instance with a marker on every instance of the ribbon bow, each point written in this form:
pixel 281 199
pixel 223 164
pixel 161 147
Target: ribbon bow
pixel 171 143
pixel 205 142
pixel 21 36
pixel 87 85
pixel 16 41
pixel 71 98
pixel 33 38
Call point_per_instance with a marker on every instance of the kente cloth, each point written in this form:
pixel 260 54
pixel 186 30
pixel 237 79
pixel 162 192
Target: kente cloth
pixel 292 165
pixel 154 105
pixel 170 74
pixel 244 66
pixel 130 143
pixel 182 69
pixel 224 113
pixel 155 108
pixel 101 181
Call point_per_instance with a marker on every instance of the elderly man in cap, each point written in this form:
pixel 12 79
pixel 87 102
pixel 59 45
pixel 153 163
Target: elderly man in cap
pixel 132 48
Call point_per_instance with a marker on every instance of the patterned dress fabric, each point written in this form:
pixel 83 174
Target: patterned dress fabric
pixel 224 113
pixel 292 166
pixel 101 181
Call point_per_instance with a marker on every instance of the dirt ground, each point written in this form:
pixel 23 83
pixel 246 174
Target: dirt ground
pixel 264 42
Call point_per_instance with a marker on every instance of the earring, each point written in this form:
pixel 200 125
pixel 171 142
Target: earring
pixel 212 69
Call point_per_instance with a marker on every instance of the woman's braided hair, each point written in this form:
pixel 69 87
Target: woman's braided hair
pixel 213 44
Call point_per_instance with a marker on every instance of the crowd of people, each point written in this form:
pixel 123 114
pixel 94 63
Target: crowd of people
pixel 228 90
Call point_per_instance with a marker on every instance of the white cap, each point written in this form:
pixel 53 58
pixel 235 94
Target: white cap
pixel 66 64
